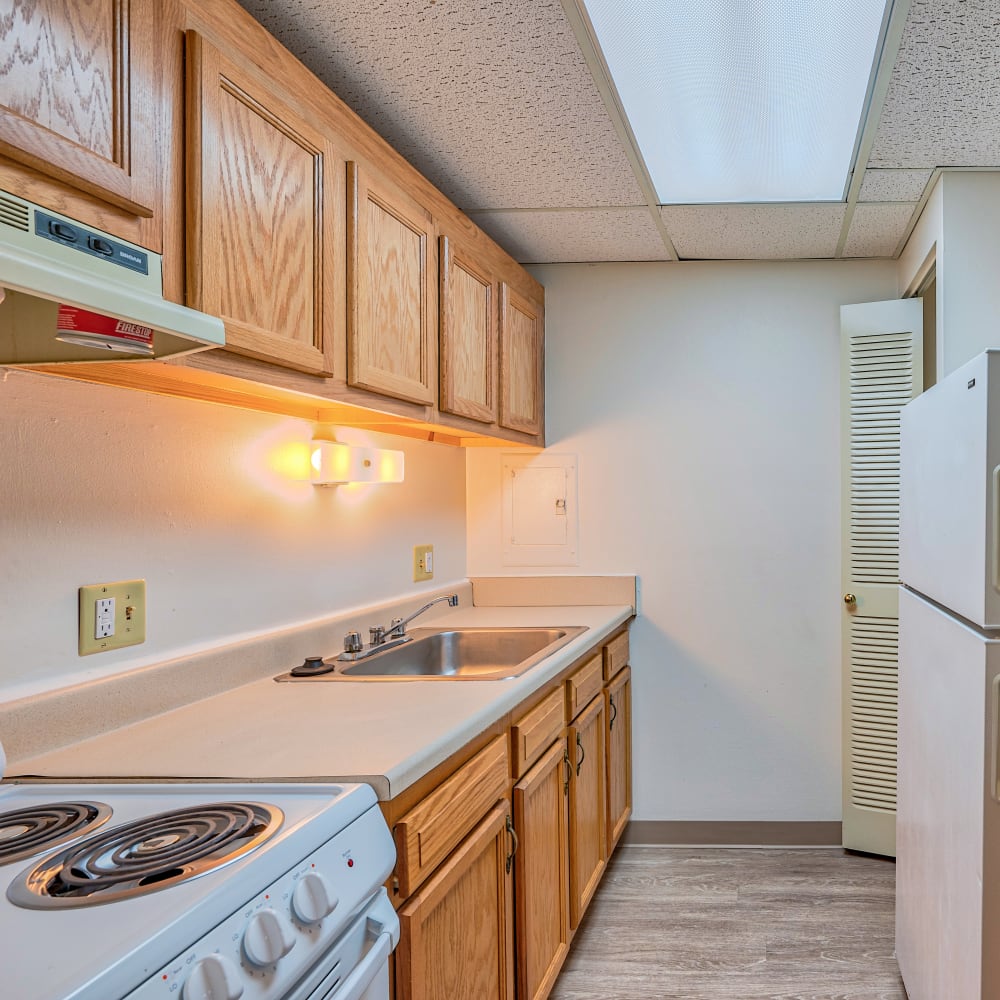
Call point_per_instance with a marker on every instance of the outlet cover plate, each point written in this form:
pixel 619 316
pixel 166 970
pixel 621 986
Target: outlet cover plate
pixel 130 615
pixel 423 563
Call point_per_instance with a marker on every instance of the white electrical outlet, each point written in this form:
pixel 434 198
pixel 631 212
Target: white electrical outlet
pixel 104 617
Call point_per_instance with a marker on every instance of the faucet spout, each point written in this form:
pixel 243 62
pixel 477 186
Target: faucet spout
pixel 385 638
pixel 398 626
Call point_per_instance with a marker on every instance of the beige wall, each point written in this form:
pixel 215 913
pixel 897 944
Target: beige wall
pixel 100 484
pixel 702 403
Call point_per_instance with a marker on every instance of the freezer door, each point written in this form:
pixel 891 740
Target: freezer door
pixel 944 671
pixel 949 467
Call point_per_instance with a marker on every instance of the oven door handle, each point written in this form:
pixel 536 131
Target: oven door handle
pixel 356 984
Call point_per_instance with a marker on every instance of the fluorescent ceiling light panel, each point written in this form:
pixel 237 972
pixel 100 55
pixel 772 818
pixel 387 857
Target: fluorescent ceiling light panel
pixel 742 100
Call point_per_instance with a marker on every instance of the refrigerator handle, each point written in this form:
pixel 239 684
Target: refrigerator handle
pixel 995 516
pixel 995 741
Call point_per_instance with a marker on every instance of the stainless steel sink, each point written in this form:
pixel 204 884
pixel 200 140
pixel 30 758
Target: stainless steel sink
pixel 462 654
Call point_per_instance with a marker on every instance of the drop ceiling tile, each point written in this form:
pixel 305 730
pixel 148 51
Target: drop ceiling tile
pixel 573 236
pixel 894 185
pixel 877 229
pixel 754 232
pixel 943 103
pixel 490 99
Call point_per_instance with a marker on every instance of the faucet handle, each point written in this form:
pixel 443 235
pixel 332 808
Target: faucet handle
pixel 396 627
pixel 352 642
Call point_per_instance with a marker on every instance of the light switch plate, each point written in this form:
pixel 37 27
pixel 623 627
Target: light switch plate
pixel 128 627
pixel 423 562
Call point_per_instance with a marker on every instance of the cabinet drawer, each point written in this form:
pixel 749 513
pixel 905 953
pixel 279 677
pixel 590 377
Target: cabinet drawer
pixel 429 831
pixel 615 655
pixel 584 685
pixel 533 732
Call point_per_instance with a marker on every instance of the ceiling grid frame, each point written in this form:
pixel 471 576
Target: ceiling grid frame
pixel 579 20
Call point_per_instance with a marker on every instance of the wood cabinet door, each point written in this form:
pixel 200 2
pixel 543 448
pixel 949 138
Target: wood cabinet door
pixel 468 341
pixel 541 873
pixel 618 708
pixel 78 96
pixel 265 195
pixel 456 939
pixel 521 362
pixel 587 807
pixel 391 290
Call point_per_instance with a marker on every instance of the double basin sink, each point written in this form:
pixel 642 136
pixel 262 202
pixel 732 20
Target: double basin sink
pixel 464 654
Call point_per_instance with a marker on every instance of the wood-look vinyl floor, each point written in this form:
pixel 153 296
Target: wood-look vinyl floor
pixel 729 924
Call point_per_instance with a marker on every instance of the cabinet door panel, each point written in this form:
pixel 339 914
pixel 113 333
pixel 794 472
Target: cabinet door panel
pixel 455 934
pixel 391 300
pixel 521 347
pixel 468 343
pixel 261 183
pixel 619 736
pixel 540 818
pixel 78 96
pixel 587 807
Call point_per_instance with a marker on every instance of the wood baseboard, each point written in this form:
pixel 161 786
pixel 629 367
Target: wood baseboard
pixel 738 833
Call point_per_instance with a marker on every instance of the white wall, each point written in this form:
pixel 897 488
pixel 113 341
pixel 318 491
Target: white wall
pixel 100 484
pixel 960 229
pixel 702 401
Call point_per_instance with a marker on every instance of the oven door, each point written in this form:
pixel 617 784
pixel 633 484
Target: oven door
pixel 357 966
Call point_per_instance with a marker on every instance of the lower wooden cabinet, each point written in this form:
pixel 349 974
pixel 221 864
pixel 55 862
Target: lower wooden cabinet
pixel 541 890
pixel 587 807
pixel 518 882
pixel 618 709
pixel 456 933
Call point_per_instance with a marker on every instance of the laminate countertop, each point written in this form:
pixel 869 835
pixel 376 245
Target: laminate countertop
pixel 388 734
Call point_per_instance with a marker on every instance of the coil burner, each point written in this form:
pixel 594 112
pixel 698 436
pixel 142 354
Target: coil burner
pixel 24 832
pixel 146 855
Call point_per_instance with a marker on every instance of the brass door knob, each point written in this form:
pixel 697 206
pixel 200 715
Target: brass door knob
pixel 850 600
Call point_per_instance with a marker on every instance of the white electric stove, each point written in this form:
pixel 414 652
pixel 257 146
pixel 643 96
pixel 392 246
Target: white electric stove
pixel 194 892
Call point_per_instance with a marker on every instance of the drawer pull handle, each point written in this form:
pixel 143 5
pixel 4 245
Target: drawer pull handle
pixel 614 712
pixel 582 757
pixel 513 850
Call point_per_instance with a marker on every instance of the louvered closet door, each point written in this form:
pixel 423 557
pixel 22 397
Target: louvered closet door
pixel 881 370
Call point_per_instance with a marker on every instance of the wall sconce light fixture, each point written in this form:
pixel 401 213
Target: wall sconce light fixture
pixel 334 463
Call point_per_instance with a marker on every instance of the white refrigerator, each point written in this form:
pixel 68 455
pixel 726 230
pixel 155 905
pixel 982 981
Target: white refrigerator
pixel 948 813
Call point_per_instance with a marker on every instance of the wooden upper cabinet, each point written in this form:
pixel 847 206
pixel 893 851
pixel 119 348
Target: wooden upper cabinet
pixel 78 97
pixel 265 193
pixel 391 286
pixel 521 359
pixel 468 342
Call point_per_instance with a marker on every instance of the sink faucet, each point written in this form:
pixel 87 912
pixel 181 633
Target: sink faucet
pixel 385 638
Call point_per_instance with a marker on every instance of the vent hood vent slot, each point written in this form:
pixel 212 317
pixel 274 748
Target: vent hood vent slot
pixel 48 260
pixel 14 213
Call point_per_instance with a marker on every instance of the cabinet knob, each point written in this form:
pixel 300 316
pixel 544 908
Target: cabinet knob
pixel 850 600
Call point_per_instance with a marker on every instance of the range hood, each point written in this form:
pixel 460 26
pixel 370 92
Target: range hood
pixel 101 296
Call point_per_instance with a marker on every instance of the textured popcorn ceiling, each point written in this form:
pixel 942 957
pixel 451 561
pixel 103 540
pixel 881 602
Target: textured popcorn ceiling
pixel 877 229
pixel 490 99
pixel 943 104
pixel 894 185
pixel 561 237
pixel 495 101
pixel 754 232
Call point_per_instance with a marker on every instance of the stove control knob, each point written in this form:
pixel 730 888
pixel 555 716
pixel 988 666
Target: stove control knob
pixel 268 937
pixel 313 898
pixel 213 978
